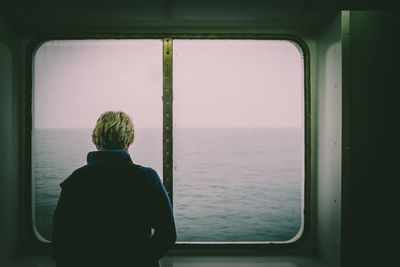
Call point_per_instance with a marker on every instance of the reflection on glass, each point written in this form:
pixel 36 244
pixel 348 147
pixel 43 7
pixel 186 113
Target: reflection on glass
pixel 238 140
pixel 76 81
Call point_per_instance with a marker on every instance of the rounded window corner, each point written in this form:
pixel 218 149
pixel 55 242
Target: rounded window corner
pixel 37 236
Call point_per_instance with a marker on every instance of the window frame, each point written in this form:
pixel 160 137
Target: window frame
pixel 167 129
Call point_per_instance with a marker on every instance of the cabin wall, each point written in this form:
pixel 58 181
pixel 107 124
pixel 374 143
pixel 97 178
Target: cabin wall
pixel 9 146
pixel 326 115
pixel 370 194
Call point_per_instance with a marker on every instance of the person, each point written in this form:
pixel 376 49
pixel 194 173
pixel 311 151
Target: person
pixel 112 212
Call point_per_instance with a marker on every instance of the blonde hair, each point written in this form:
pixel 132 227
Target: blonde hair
pixel 114 130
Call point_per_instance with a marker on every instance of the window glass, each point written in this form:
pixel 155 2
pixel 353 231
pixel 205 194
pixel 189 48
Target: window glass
pixel 75 81
pixel 238 140
pixel 238 128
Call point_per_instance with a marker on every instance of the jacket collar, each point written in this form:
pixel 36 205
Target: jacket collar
pixel 107 156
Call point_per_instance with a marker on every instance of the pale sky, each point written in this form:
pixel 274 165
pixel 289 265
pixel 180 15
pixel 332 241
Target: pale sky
pixel 216 83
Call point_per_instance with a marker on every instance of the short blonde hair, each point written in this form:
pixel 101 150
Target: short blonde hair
pixel 114 130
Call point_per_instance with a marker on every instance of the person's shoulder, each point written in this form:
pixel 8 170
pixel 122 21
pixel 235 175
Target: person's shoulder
pixel 148 173
pixel 146 170
pixel 82 170
pixel 75 177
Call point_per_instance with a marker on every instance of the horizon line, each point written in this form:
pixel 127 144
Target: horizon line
pixel 186 127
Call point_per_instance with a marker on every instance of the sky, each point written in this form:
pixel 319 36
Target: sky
pixel 216 83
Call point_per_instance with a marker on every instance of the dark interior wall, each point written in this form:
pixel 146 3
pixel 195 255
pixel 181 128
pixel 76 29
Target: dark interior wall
pixel 370 198
pixel 9 146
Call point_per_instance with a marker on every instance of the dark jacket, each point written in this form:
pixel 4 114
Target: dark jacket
pixel 106 211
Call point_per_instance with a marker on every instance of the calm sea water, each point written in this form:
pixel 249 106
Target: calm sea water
pixel 229 184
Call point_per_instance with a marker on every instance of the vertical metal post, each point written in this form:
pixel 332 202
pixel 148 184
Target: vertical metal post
pixel 167 116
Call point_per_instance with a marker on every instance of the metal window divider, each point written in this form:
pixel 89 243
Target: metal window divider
pixel 167 117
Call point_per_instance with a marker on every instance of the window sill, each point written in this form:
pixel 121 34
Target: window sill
pixel 200 261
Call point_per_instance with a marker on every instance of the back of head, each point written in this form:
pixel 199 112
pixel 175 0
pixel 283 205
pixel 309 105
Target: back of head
pixel 114 130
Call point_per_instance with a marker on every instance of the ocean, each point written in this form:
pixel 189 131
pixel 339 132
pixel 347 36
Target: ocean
pixel 230 184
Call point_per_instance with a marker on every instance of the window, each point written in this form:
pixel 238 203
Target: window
pixel 238 140
pixel 76 81
pixel 234 149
